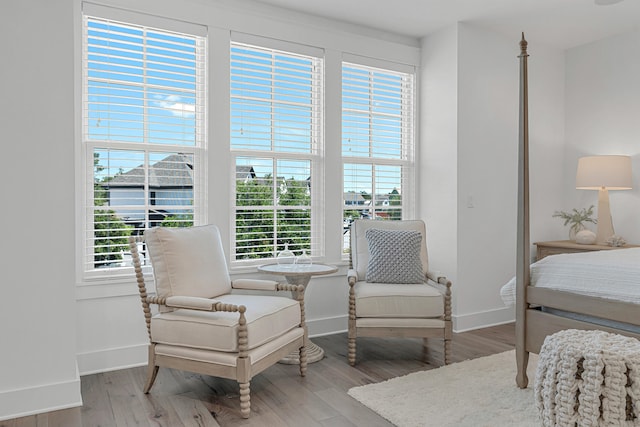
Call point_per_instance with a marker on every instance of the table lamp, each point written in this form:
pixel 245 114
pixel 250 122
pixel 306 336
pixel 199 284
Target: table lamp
pixel 604 173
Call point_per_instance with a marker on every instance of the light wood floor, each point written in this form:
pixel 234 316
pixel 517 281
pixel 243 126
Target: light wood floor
pixel 279 396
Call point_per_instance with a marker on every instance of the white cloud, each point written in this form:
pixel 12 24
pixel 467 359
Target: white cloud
pixel 177 108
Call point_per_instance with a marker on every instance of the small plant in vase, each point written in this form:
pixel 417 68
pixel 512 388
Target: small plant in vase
pixel 577 219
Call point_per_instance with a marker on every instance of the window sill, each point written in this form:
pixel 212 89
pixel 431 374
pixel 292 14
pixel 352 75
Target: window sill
pixel 110 288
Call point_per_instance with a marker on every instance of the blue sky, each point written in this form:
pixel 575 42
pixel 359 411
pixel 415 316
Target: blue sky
pixel 266 114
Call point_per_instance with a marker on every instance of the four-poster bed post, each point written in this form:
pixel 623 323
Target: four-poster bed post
pixel 523 250
pixel 543 310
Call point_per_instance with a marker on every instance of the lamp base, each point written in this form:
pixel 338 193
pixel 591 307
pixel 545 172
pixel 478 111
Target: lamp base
pixel 605 224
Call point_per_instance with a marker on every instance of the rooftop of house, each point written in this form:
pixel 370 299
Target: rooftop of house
pixel 175 170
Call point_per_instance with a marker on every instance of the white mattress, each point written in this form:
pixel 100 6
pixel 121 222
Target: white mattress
pixel 610 274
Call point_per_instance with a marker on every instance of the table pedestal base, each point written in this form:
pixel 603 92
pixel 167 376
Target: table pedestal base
pixel 300 275
pixel 314 353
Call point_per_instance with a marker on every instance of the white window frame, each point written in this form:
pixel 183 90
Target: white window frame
pixel 315 155
pixel 198 151
pixel 406 160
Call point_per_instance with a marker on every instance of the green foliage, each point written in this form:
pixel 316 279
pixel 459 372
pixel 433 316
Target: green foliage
pixel 111 235
pixel 254 226
pixel 294 223
pixel 395 199
pixel 351 214
pixel 178 220
pixel 110 232
pixel 576 218
pixel 289 222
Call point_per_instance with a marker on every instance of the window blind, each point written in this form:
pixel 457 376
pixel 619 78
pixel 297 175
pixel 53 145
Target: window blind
pixel 377 143
pixel 276 143
pixel 143 134
pixel 377 113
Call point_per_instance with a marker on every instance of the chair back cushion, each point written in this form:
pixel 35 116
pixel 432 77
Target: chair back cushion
pixel 360 246
pixel 188 261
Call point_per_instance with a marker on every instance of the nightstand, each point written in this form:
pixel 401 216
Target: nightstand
pixel 567 246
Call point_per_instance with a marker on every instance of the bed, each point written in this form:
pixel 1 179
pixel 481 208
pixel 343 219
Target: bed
pixel 546 305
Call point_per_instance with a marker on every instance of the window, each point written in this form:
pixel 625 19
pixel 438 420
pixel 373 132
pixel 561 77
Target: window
pixel 277 151
pixel 143 133
pixel 377 143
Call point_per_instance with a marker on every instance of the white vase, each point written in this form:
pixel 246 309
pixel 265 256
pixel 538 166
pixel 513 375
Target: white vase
pixel 574 230
pixel 585 237
pixel 303 259
pixel 286 256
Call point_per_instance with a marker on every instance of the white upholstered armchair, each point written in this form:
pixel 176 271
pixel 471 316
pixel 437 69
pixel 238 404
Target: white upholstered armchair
pixel 201 325
pixel 392 292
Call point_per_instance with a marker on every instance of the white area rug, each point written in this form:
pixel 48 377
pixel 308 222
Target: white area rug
pixel 475 393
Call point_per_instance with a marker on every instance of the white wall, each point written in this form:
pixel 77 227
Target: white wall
pixel 487 143
pixel 481 152
pixel 37 306
pixel 603 108
pixel 547 110
pixel 437 171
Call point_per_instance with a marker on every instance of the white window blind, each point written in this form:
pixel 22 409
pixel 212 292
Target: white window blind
pixel 143 135
pixel 377 143
pixel 276 145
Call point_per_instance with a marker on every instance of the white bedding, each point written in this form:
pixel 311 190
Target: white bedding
pixel 611 274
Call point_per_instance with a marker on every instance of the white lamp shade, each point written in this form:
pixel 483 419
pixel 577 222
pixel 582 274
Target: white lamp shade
pixel 610 172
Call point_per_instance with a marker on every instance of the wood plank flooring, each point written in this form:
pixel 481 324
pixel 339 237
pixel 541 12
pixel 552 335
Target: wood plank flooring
pixel 279 396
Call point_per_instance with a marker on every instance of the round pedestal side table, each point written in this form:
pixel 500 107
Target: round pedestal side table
pixel 300 274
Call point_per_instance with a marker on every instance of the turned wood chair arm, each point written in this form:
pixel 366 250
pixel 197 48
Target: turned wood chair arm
pixel 443 285
pixel 265 285
pixel 194 303
pixel 436 276
pixel 297 292
pixel 352 277
pixel 255 284
pixel 439 281
pixel 191 303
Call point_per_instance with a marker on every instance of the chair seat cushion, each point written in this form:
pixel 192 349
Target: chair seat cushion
pixel 398 300
pixel 268 317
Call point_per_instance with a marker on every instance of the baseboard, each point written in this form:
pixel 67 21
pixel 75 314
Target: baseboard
pixel 112 359
pixel 327 325
pixel 483 319
pixel 42 398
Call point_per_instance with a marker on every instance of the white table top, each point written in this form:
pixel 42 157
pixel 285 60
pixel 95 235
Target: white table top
pixel 298 269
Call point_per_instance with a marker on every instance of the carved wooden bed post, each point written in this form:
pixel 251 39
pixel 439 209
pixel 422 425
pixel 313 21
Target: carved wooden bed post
pixel 523 250
pixel 532 325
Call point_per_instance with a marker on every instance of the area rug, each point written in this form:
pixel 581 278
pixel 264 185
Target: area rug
pixel 475 393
